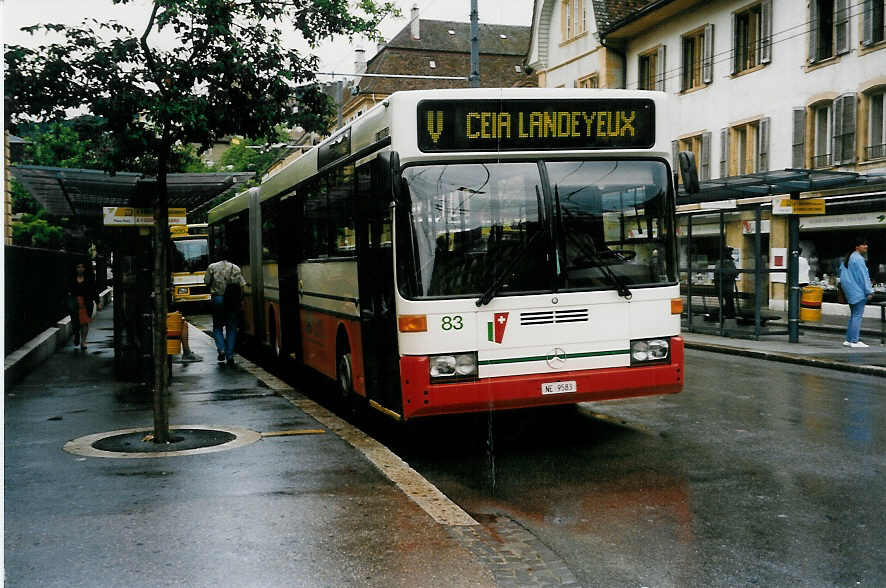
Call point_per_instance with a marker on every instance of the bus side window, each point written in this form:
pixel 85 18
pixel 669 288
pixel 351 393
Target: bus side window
pixel 237 239
pixel 316 222
pixel 341 211
pixel 269 232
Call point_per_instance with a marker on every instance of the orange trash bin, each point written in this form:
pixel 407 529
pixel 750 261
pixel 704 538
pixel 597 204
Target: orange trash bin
pixel 810 303
pixel 174 321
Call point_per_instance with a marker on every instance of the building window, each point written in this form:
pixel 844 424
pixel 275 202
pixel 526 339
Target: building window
pixel 828 29
pixel 751 42
pixel 700 146
pixel 698 58
pixel 573 21
pixel 821 136
pixel 651 69
pixel 873 24
pixel 591 81
pixel 844 123
pixel 745 148
pixel 876 147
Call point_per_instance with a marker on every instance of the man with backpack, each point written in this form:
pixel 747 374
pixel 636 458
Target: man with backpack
pixel 225 282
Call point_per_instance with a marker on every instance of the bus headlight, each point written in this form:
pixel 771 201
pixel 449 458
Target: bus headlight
pixel 182 291
pixel 649 350
pixel 455 366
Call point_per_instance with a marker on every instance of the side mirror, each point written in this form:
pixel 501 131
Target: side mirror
pixel 389 173
pixel 689 171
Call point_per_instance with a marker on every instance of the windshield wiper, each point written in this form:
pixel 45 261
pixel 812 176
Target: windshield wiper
pixel 493 288
pixel 591 253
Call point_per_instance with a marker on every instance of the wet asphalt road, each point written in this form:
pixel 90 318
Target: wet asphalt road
pixel 758 473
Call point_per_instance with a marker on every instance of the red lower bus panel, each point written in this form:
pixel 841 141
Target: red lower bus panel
pixel 421 398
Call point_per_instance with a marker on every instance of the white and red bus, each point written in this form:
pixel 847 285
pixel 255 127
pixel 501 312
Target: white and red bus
pixel 465 250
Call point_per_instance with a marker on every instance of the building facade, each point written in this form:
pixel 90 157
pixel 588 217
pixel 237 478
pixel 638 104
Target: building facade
pixel 758 85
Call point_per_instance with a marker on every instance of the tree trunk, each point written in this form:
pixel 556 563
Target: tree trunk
pixel 161 277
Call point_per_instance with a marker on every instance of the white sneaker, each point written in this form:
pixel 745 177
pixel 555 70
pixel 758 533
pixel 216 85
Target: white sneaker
pixel 858 344
pixel 847 344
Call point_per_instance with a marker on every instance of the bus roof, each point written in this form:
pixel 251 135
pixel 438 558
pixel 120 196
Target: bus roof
pixel 385 125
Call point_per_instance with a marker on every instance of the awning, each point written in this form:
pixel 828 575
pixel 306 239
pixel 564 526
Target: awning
pixel 786 181
pixel 81 193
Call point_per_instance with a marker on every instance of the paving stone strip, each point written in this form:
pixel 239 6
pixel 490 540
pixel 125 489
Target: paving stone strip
pixel 515 556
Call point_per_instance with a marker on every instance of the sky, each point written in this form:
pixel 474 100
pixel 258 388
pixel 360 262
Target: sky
pixel 336 55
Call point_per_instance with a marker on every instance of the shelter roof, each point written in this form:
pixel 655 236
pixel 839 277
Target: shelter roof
pixel 83 192
pixel 775 182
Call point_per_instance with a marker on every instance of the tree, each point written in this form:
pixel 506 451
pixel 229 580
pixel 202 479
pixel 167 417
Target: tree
pixel 227 73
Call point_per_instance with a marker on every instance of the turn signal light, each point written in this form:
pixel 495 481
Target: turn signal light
pixel 412 323
pixel 676 305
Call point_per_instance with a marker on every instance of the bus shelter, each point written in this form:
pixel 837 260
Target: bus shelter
pixel 739 247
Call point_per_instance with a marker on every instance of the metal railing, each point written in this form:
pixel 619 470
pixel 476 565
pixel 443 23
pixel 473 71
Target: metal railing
pixel 820 161
pixel 36 281
pixel 875 151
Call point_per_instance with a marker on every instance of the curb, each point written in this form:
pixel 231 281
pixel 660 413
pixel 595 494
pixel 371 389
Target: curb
pixel 871 370
pixel 20 362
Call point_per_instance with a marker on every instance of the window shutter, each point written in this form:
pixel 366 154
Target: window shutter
pixel 798 142
pixel 675 153
pixel 733 60
pixel 660 69
pixel 705 156
pixel 867 19
pixel 841 27
pixel 766 31
pixel 724 153
pixel 844 129
pixel 837 126
pixel 707 64
pixel 814 23
pixel 763 145
pixel 563 17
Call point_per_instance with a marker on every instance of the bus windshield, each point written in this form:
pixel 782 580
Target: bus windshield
pixel 189 255
pixel 477 227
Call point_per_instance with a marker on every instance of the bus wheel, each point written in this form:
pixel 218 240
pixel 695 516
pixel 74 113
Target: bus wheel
pixel 351 402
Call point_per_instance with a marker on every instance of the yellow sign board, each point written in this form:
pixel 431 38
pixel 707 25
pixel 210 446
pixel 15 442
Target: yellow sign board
pixel 806 206
pixel 139 217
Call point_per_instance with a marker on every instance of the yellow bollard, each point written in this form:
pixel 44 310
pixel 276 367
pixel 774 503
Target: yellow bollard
pixel 810 303
pixel 174 321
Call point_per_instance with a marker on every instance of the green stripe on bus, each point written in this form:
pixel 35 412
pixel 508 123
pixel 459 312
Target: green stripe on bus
pixel 545 357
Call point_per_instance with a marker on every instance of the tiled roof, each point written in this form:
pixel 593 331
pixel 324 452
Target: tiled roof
pixel 612 12
pixel 435 36
pixel 502 48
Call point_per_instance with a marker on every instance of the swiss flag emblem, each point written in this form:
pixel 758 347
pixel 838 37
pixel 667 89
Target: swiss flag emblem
pixel 497 326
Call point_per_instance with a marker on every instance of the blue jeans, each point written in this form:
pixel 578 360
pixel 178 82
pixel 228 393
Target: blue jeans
pixel 856 311
pixel 224 327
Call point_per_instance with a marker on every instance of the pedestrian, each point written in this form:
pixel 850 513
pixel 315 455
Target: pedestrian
pixel 225 281
pixel 82 295
pixel 803 269
pixel 855 282
pixel 724 281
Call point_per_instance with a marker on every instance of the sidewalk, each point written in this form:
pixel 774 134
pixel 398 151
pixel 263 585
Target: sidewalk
pixel 302 506
pixel 820 345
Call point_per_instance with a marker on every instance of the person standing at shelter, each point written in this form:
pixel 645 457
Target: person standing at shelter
pixel 225 281
pixel 725 273
pixel 856 284
pixel 82 294
pixel 802 269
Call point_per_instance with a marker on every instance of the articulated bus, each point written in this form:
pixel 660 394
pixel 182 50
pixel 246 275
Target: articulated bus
pixel 188 260
pixel 469 250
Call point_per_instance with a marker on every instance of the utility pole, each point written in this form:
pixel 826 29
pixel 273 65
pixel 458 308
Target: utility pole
pixel 474 79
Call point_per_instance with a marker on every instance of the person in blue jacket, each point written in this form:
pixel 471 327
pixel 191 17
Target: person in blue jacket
pixel 856 284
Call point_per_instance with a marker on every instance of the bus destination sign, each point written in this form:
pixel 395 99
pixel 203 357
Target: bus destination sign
pixel 530 125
